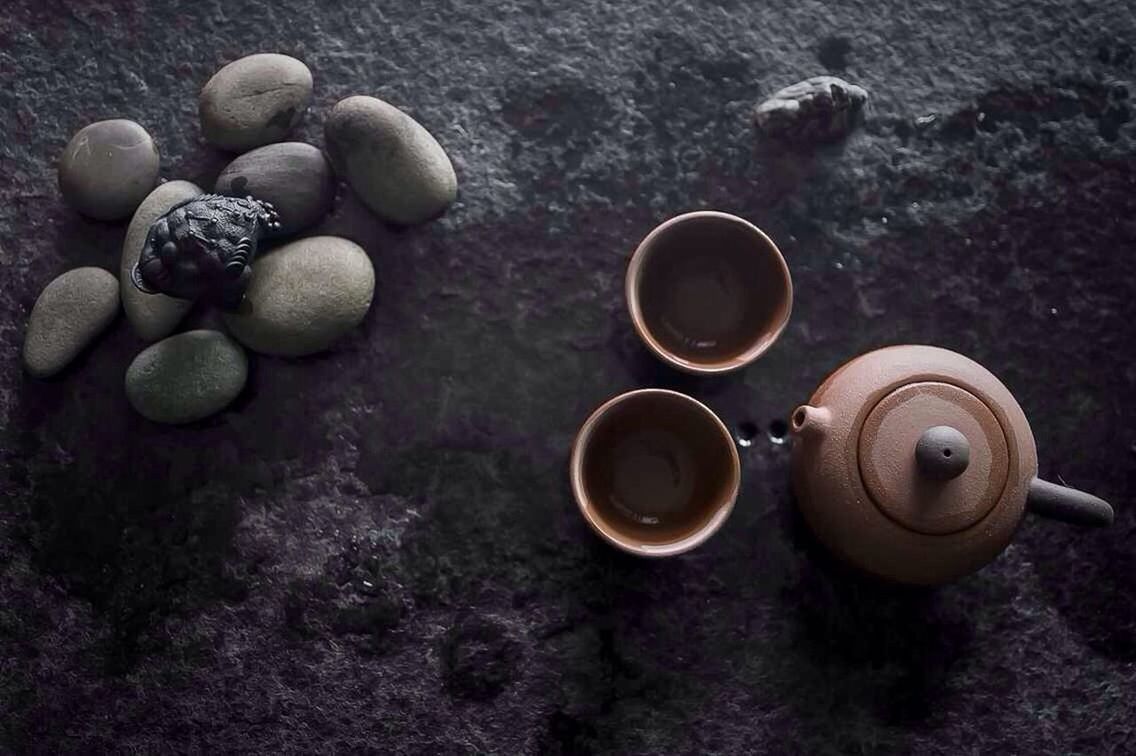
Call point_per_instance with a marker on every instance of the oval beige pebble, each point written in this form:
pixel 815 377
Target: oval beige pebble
pixel 253 101
pixel 295 177
pixel 72 310
pixel 304 297
pixel 152 316
pixel 394 164
pixel 186 377
pixel 108 168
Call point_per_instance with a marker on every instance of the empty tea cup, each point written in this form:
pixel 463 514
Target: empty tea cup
pixel 654 472
pixel 708 292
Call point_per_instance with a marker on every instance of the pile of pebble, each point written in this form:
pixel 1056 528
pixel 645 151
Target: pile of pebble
pixel 305 294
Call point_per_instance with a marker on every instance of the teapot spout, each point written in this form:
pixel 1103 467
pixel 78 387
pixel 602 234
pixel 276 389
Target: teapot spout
pixel 811 423
pixel 1068 504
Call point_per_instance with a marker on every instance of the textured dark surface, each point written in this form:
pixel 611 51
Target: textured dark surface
pixel 376 549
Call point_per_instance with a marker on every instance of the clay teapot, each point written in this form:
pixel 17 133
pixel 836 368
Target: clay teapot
pixel 916 464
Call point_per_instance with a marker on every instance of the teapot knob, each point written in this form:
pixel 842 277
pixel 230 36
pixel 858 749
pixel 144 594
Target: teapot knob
pixel 942 453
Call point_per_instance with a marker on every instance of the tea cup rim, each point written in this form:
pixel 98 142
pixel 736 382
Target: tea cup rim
pixel 599 525
pixel 633 276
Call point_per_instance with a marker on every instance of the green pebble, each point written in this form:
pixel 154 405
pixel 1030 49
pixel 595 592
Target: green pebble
pixel 304 297
pixel 186 377
pixel 396 166
pixel 72 310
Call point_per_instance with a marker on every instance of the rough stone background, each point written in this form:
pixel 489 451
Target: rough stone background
pixel 376 549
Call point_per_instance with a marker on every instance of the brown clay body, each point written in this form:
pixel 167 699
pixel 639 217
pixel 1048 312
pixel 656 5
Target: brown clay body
pixel 916 464
pixel 708 292
pixel 654 472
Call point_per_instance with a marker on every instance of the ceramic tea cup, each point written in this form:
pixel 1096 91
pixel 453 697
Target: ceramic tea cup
pixel 708 292
pixel 654 472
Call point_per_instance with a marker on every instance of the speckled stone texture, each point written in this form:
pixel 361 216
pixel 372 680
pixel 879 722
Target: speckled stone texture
pixel 376 550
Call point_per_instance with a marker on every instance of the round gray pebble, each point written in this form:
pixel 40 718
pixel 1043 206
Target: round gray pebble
pixel 152 316
pixel 108 168
pixel 255 100
pixel 295 177
pixel 72 310
pixel 304 297
pixel 395 166
pixel 186 377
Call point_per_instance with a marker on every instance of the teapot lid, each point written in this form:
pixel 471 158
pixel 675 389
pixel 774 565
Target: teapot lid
pixel 933 457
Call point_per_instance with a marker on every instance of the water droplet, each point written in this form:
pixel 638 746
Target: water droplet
pixel 778 432
pixel 747 431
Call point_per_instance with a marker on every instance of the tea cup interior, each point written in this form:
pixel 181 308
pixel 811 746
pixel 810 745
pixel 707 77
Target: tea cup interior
pixel 655 472
pixel 708 291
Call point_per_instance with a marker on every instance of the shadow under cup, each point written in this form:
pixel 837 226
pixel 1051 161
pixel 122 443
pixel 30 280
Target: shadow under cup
pixel 708 292
pixel 655 472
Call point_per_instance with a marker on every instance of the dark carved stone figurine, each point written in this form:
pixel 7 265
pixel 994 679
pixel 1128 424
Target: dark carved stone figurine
pixel 203 248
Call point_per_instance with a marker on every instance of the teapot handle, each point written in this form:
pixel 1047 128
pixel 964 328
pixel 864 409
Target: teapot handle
pixel 1068 504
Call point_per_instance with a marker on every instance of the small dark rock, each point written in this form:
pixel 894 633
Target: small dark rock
pixel 820 109
pixel 479 658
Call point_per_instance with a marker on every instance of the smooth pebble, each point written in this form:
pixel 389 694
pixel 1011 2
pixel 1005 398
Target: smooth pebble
pixel 253 101
pixel 295 177
pixel 108 168
pixel 186 377
pixel 396 166
pixel 304 297
pixel 72 310
pixel 152 316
